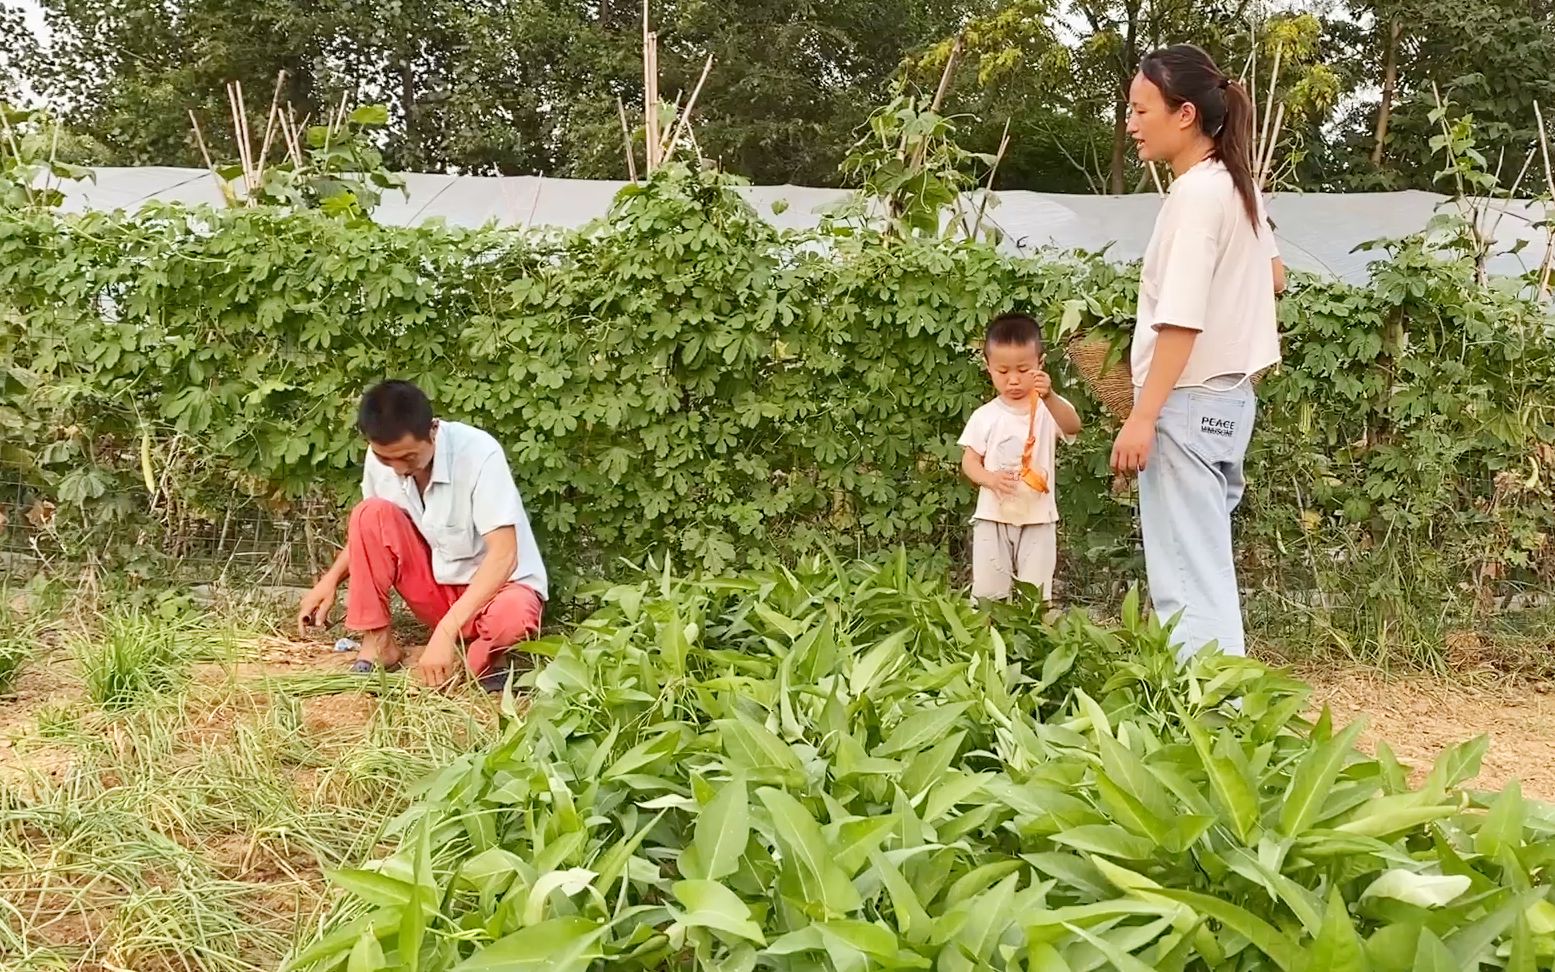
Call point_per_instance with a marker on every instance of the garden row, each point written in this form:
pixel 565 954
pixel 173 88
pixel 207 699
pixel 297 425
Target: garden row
pixel 683 378
pixel 848 768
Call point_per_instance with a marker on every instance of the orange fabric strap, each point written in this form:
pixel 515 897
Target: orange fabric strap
pixel 1033 477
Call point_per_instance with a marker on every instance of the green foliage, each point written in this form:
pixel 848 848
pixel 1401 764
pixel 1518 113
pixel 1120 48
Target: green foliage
pixel 530 86
pixel 514 86
pixel 1411 454
pixel 137 656
pixel 684 379
pixel 19 645
pixel 31 169
pixel 340 170
pixel 1496 62
pixel 846 767
pixel 909 164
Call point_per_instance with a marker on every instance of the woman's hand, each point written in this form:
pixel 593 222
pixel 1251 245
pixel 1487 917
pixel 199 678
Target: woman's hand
pixel 1131 451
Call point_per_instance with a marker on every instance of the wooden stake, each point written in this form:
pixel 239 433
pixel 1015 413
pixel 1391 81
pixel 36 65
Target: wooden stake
pixel 1495 226
pixel 939 99
pixel 626 140
pixel 1549 187
pixel 271 124
pixel 950 69
pixel 248 140
pixel 666 129
pixel 685 116
pixel 1268 113
pixel 691 136
pixel 221 184
pixel 982 204
pixel 237 134
pixel 334 122
pixel 651 101
pixel 1266 164
pixel 650 91
pixel 1155 176
pixel 534 206
pixel 294 136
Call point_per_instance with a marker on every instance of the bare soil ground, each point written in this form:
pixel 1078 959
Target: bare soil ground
pixel 321 744
pixel 1420 717
pixel 257 780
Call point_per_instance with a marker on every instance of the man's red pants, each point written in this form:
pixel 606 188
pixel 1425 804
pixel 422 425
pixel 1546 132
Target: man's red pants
pixel 388 553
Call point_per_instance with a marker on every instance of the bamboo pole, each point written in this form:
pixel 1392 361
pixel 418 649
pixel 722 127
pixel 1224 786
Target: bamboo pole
pixel 271 123
pixel 1266 164
pixel 1268 112
pixel 651 103
pixel 956 49
pixel 993 170
pixel 235 107
pixel 666 128
pixel 248 140
pixel 922 150
pixel 685 115
pixel 333 122
pixel 626 140
pixel 221 184
pixel 1549 187
pixel 650 90
pixel 295 137
pixel 1495 227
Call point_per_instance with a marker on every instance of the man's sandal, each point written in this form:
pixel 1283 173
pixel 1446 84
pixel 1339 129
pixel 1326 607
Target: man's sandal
pixel 363 666
pixel 512 667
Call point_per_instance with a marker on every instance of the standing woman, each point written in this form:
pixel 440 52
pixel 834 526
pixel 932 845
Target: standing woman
pixel 1206 325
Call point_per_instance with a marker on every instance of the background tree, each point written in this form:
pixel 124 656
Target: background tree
pixel 1493 58
pixel 531 86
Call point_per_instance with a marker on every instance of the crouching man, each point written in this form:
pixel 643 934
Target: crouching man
pixel 442 523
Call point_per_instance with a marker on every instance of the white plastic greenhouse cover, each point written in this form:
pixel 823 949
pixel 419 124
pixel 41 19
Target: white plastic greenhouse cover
pixel 1317 231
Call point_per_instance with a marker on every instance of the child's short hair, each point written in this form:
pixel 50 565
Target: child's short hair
pixel 1014 328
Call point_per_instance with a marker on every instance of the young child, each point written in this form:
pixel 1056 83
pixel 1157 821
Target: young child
pixel 1009 445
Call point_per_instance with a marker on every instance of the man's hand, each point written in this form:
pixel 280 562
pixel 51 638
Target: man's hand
pixel 314 610
pixel 439 662
pixel 1043 387
pixel 1131 451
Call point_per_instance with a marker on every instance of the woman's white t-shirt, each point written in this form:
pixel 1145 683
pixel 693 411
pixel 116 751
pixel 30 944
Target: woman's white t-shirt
pixel 1207 269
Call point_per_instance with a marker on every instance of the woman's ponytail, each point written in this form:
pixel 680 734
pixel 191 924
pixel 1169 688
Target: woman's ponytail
pixel 1186 74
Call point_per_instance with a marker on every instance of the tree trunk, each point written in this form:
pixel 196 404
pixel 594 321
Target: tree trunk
pixel 1119 146
pixel 1127 65
pixel 408 102
pixel 1389 85
pixel 299 88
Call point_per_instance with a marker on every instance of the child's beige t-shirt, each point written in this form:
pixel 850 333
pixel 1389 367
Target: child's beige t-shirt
pixel 997 432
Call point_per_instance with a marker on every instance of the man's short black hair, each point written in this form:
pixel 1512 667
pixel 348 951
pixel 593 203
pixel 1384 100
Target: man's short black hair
pixel 392 410
pixel 1014 328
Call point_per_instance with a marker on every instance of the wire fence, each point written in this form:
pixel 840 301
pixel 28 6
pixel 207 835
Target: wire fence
pixel 243 541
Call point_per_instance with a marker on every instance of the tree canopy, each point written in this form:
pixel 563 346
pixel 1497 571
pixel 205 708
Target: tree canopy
pixel 532 86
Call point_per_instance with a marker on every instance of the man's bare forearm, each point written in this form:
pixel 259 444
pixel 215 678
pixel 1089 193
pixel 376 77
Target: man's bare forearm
pixel 490 577
pixel 336 574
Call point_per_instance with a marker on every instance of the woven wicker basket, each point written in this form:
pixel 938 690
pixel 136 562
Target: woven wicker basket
pixel 1104 365
pixel 1112 382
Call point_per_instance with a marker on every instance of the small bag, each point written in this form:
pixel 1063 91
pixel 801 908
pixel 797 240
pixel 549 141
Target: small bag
pixel 1029 474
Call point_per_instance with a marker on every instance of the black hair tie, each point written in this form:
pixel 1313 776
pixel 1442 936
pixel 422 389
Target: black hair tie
pixel 1225 83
